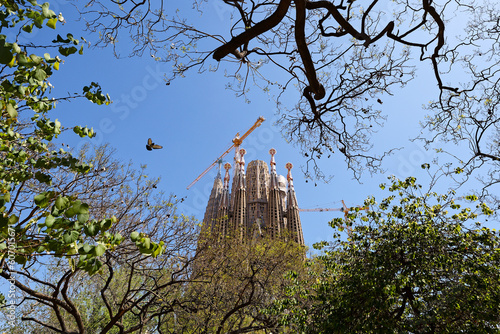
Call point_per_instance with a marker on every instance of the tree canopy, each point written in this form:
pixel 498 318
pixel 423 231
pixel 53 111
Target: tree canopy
pixel 136 282
pixel 415 263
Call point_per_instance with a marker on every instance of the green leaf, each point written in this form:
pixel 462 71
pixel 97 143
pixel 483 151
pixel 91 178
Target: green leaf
pixel 87 248
pixel 4 222
pixel 41 200
pixel 28 28
pixel 74 209
pixel 6 197
pixel 5 55
pixel 91 229
pixel 83 208
pixel 83 217
pixel 99 250
pixel 20 259
pixel 43 178
pixel 117 238
pixel 35 59
pixel 40 74
pixel 39 21
pixel 16 48
pixel 59 39
pixel 70 236
pixel 49 221
pixel 146 243
pixel 11 110
pixel 67 51
pixel 158 250
pixel 70 212
pixel 134 236
pixel 62 203
pixel 13 219
pixel 105 224
pixel 45 9
pixel 23 60
pixel 52 23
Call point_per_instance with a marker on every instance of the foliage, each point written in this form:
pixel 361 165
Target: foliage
pixel 47 221
pixel 234 284
pixel 417 263
pixel 43 216
pixel 139 279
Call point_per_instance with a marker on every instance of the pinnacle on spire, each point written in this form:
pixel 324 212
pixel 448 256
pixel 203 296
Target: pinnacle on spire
pixel 274 176
pixel 289 177
pixel 218 176
pixel 227 167
pixel 273 163
pixel 237 159
pixel 242 160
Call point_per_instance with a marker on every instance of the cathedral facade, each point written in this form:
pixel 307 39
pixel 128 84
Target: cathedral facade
pixel 258 202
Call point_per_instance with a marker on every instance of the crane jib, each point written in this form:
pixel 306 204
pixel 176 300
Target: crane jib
pixel 236 142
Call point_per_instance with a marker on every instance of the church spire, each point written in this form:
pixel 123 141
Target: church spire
pixel 275 217
pixel 293 219
pixel 242 160
pixel 223 211
pixel 227 167
pixel 239 200
pixel 274 176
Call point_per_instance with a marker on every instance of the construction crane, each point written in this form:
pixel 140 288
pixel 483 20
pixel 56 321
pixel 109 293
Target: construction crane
pixel 237 140
pixel 344 209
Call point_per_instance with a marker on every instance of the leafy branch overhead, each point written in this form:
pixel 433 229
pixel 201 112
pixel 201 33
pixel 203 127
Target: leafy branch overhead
pixel 344 57
pixel 330 66
pixel 38 216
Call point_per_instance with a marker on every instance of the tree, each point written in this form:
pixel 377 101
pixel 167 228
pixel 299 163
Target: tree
pixel 235 284
pixel 343 57
pixel 87 245
pixel 416 263
pixel 139 280
pixel 218 289
pixel 27 132
pixel 44 217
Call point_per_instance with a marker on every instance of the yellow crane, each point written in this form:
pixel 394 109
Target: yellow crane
pixel 237 140
pixel 344 209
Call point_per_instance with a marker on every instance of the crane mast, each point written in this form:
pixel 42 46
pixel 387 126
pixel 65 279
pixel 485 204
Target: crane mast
pixel 237 140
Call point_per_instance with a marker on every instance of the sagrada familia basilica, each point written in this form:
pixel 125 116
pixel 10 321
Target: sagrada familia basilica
pixel 257 203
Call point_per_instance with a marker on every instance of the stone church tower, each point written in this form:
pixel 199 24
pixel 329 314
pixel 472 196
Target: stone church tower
pixel 260 202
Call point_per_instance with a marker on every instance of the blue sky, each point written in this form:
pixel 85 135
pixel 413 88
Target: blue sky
pixel 195 119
